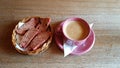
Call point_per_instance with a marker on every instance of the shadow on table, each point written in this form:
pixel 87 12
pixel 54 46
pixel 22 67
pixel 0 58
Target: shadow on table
pixel 54 49
pixel 6 28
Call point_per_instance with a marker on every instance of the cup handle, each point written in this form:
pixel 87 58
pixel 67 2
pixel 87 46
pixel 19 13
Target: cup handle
pixel 91 25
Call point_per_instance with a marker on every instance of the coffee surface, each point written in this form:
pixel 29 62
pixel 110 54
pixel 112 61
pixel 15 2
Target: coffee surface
pixel 76 30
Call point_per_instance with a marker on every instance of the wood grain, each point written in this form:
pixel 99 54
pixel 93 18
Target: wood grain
pixel 105 14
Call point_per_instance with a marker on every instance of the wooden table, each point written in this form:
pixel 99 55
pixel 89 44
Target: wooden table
pixel 105 14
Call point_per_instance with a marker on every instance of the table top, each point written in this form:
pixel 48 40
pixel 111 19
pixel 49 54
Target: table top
pixel 105 14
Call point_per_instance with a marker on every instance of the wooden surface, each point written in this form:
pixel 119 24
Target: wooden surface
pixel 105 14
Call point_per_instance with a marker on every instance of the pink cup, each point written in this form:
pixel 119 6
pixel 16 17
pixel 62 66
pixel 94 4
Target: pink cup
pixel 67 39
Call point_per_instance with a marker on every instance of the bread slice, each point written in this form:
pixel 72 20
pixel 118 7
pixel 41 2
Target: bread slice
pixel 15 41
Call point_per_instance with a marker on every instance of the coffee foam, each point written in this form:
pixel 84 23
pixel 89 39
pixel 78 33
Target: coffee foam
pixel 75 30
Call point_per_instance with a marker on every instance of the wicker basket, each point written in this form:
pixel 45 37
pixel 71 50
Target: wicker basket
pixel 44 47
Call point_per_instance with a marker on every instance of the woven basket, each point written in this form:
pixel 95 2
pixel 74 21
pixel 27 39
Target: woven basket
pixel 44 47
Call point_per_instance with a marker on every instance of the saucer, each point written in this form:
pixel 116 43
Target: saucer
pixel 81 49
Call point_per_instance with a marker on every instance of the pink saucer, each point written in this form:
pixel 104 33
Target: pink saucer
pixel 81 49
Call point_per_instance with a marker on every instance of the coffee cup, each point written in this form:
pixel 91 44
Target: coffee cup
pixel 75 30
